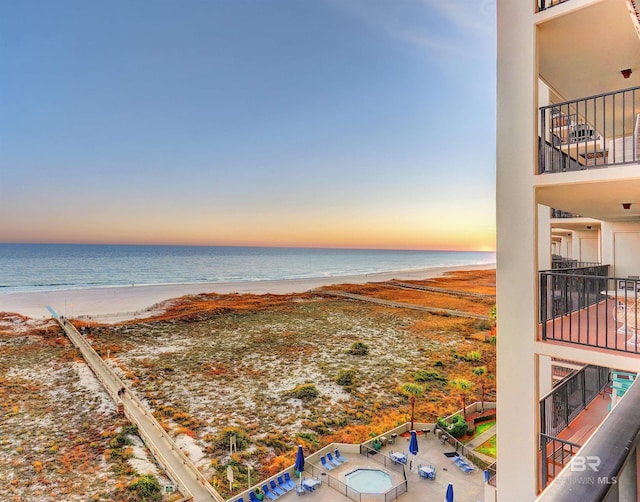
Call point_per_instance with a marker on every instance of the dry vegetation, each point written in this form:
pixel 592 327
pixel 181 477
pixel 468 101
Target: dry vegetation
pixel 57 424
pixel 261 367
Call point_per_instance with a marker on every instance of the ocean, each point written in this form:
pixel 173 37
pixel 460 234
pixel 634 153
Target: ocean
pixel 48 267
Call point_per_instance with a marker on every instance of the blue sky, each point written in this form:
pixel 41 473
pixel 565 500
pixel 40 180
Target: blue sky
pixel 349 123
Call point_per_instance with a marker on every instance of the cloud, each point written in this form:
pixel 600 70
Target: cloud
pixel 479 16
pixel 417 22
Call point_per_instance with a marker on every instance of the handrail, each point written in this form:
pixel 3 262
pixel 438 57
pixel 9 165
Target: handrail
pixel 81 343
pixel 603 457
pixel 590 132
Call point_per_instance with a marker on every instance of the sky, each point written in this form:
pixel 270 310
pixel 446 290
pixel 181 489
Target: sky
pixel 311 123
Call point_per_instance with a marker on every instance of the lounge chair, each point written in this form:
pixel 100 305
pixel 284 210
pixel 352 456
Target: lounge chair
pixel 252 497
pixel 288 481
pixel 333 460
pixel 240 500
pixel 326 465
pixel 269 493
pixel 339 457
pixel 275 488
pixel 284 485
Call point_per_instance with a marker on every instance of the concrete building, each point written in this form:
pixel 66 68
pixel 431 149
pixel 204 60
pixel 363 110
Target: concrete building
pixel 568 249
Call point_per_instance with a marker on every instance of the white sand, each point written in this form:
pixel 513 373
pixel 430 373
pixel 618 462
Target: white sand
pixel 127 302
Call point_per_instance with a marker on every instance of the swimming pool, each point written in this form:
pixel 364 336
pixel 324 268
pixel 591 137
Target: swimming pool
pixel 369 481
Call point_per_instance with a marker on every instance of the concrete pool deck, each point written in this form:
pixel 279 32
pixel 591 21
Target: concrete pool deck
pixel 468 487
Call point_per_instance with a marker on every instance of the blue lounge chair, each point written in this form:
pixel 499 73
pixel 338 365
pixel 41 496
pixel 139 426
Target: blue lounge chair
pixel 269 493
pixel 275 488
pixel 283 484
pixel 340 457
pixel 240 500
pixel 252 497
pixel 287 480
pixel 333 460
pixel 326 465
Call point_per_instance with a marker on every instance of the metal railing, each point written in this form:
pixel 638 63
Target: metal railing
pixel 559 213
pixel 560 406
pixel 393 493
pixel 612 450
pixel 556 453
pixel 463 450
pixel 568 264
pixel 596 131
pixel 566 289
pixel 592 310
pixel 547 4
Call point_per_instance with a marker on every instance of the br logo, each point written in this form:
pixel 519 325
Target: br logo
pixel 580 463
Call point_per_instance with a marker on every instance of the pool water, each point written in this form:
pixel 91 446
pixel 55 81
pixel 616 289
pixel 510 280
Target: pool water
pixel 369 481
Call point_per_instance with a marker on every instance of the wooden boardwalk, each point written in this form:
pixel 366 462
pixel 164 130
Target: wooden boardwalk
pixel 431 289
pixel 177 465
pixel 390 303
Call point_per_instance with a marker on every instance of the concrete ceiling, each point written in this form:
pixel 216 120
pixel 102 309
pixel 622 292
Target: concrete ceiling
pixel 582 54
pixel 601 201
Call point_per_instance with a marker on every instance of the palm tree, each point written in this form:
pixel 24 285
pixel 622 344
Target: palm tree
pixel 464 386
pixel 413 390
pixel 479 373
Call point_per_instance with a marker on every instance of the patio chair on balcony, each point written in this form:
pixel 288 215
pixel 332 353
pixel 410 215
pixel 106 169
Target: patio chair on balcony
pixel 626 149
pixel 627 314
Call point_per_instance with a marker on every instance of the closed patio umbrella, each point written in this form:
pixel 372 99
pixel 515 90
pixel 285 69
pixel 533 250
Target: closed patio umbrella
pixel 449 495
pixel 300 463
pixel 413 445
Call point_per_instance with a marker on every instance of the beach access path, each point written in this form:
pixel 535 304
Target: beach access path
pixel 177 465
pixel 390 303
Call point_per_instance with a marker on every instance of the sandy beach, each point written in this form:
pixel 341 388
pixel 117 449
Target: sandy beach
pixel 127 302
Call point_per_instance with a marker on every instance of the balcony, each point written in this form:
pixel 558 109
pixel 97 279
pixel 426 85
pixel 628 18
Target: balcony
pixel 594 132
pixel 584 306
pixel 547 4
pixel 568 416
pixel 606 469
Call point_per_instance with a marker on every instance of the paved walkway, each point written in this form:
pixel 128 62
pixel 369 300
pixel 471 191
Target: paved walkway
pixel 389 303
pixel 180 469
pixel 453 292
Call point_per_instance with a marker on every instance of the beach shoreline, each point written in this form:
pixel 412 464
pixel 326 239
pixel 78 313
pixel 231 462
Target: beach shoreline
pixel 122 303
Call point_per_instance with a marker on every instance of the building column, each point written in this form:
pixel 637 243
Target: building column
pixel 517 251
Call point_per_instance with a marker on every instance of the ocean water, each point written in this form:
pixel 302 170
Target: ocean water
pixel 45 267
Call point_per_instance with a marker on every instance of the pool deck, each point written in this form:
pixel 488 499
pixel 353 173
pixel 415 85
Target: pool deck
pixel 468 487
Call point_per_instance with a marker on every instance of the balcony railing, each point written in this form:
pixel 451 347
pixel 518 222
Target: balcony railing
pixel 590 309
pixel 559 213
pixel 546 4
pixel 607 463
pixel 570 265
pixel 570 397
pixel 593 132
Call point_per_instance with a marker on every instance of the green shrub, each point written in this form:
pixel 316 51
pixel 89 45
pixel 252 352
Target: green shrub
pixel 438 364
pixel 358 349
pixel 424 376
pixel 484 325
pixel 484 418
pixel 145 489
pixel 221 440
pixel 305 391
pixel 309 437
pixel 458 429
pixel 119 440
pixel 346 377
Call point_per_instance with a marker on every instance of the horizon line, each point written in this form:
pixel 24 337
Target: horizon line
pixel 353 248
